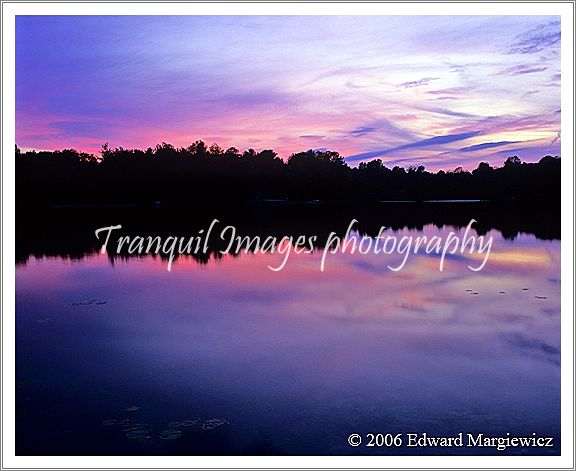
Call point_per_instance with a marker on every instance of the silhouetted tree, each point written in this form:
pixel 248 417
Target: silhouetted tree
pixel 198 175
pixel 511 161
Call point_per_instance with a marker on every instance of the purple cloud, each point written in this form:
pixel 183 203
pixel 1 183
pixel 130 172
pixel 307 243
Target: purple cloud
pixel 521 70
pixel 363 130
pixel 446 139
pixel 436 140
pixel 486 145
pixel 536 39
pixel 418 83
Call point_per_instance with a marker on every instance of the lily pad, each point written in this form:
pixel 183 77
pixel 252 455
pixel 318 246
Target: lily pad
pixel 109 422
pixel 170 434
pixel 24 382
pixel 211 424
pixel 190 422
pixel 88 303
pixel 127 422
pixel 129 427
pixel 137 434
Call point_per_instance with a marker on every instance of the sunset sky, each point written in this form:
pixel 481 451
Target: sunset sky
pixel 412 90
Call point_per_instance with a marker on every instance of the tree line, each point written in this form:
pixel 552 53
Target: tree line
pixel 200 174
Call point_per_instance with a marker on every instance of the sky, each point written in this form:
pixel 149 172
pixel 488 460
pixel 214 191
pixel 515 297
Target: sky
pixel 438 91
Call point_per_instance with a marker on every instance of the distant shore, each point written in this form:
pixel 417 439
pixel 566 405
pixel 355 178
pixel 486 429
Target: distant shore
pixel 201 175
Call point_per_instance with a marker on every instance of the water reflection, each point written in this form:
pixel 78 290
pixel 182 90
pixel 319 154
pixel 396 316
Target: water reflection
pixel 295 360
pixel 70 232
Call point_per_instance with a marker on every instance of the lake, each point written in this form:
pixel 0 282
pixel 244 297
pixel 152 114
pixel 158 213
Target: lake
pixel 118 356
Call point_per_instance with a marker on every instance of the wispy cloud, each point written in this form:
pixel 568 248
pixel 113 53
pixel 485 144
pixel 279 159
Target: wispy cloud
pixel 446 139
pixel 446 112
pixel 536 39
pixel 431 141
pixel 363 130
pixel 486 145
pixel 521 70
pixel 418 83
pixel 378 127
pixel 455 91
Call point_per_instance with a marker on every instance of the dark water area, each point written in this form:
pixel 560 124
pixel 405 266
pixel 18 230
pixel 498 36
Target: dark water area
pixel 117 356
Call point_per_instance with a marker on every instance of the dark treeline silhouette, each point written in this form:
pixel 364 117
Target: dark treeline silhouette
pixel 69 232
pixel 198 174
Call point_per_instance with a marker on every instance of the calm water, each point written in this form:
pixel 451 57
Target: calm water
pixel 295 360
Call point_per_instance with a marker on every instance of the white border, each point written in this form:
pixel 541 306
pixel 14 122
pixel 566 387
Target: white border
pixel 565 10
